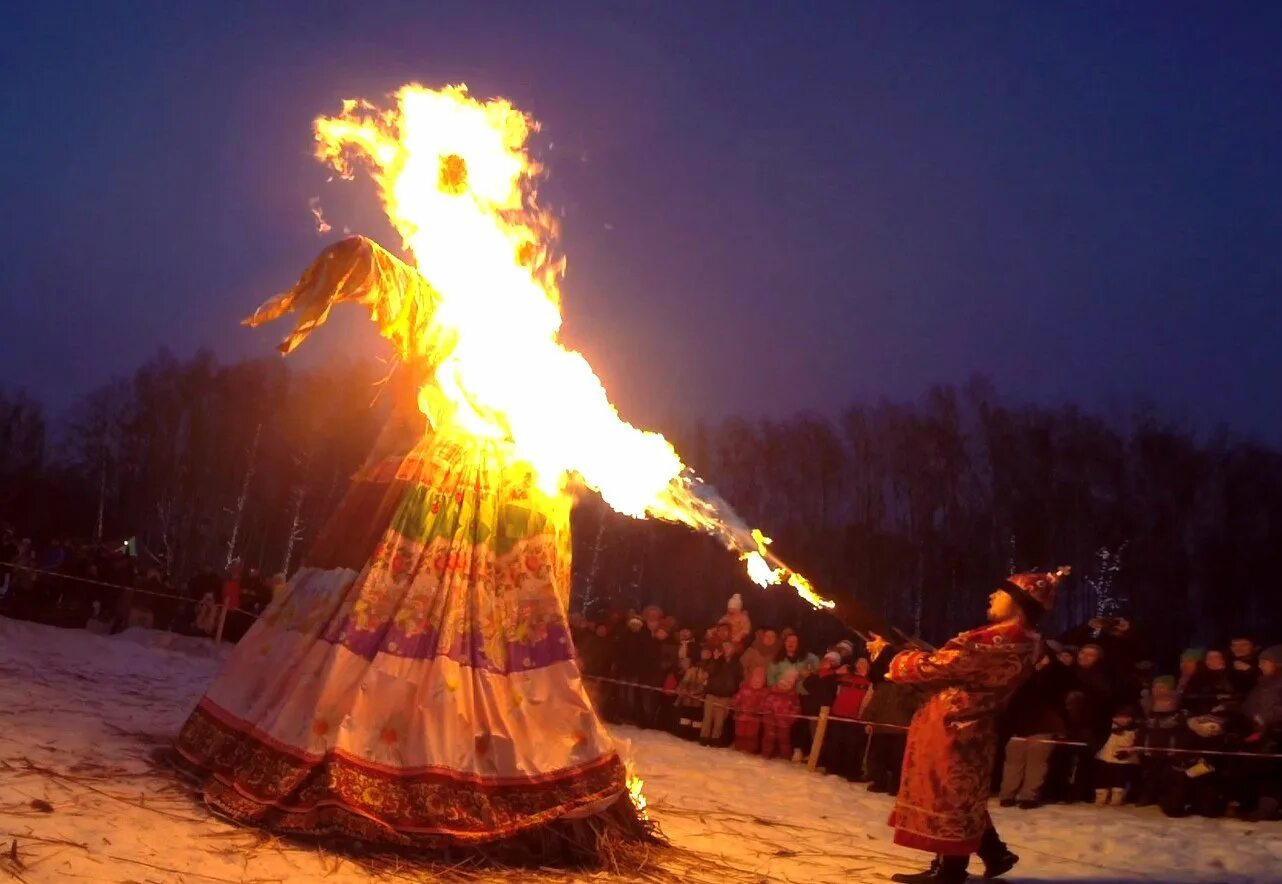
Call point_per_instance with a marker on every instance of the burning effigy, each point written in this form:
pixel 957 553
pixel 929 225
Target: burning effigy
pixel 415 684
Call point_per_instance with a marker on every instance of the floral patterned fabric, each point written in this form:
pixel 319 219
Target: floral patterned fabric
pixel 428 697
pixel 952 741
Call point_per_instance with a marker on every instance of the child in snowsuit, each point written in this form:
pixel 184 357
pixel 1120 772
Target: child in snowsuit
pixel 749 706
pixel 1115 763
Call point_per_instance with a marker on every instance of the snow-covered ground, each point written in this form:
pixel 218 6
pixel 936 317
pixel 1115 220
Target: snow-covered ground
pixel 80 800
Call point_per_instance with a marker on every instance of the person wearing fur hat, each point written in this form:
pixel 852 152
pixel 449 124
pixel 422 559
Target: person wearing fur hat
pixel 942 806
pixel 737 619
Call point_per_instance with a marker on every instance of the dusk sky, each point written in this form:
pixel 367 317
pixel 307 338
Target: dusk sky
pixel 766 207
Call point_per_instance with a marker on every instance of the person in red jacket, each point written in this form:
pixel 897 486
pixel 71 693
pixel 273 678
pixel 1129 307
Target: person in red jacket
pixel 843 750
pixel 942 805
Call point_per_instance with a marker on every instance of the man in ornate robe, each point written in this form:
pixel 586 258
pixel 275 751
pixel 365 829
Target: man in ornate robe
pixel 952 742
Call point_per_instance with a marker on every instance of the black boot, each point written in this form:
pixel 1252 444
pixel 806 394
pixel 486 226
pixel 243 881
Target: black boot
pixel 997 859
pixel 927 877
pixel 996 866
pixel 949 870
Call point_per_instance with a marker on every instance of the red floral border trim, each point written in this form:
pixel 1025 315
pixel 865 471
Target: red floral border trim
pixel 258 783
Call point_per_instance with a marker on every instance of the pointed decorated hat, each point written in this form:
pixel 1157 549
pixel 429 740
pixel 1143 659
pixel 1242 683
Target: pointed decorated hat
pixel 1035 591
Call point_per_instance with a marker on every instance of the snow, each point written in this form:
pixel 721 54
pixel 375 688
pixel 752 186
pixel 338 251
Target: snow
pixel 80 799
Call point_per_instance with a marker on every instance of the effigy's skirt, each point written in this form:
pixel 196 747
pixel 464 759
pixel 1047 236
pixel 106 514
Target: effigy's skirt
pixel 415 684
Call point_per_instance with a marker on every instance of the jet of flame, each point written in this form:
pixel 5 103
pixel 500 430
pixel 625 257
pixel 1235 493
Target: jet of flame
pixel 458 185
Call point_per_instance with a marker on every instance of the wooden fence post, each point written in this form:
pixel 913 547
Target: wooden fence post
pixel 222 621
pixel 817 744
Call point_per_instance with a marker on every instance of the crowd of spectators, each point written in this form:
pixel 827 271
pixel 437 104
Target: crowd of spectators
pixel 1097 722
pixel 113 586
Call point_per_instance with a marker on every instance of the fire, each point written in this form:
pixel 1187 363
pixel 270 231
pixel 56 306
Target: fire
pixel 458 185
pixel 635 785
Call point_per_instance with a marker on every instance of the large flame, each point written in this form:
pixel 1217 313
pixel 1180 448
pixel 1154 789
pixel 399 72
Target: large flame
pixel 458 186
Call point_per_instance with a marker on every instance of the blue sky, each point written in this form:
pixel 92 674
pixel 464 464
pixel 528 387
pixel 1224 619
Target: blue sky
pixel 766 207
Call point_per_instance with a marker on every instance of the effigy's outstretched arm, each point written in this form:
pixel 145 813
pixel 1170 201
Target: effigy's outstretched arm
pixel 358 270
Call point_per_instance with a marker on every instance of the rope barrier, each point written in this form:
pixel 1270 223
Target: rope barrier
pixel 90 580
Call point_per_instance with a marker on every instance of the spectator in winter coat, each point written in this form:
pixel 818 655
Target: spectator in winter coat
pixel 749 710
pixel 1263 708
pixel 890 710
pixel 1116 638
pixel 1095 681
pixel 1161 729
pixel 720 634
pixel 670 654
pixel 690 696
pixel 785 677
pixel 819 689
pixel 653 617
pixel 843 749
pixel 846 649
pixel 852 689
pixel 1195 783
pixel 595 652
pixel 687 646
pixel 1190 665
pixel 1036 717
pixel 1244 666
pixel 1115 763
pixel 1066 655
pixel 637 663
pixel 1069 779
pixel 725 674
pixel 596 660
pixel 764 651
pixel 1212 687
pixel 207 615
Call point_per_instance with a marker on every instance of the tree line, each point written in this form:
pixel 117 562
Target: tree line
pixel 911 508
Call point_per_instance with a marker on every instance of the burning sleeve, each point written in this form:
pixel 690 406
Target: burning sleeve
pixel 358 270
